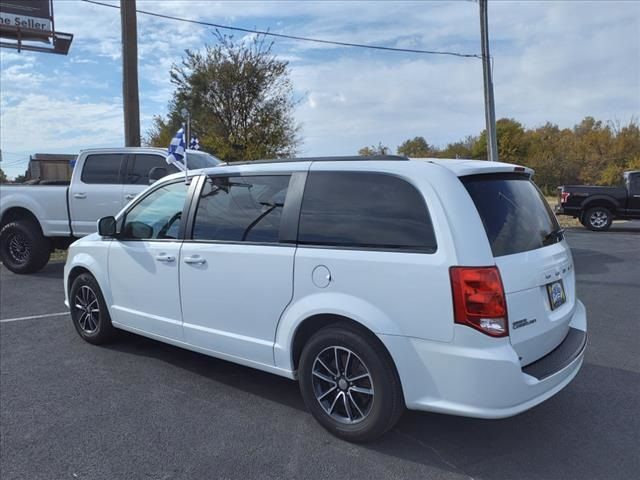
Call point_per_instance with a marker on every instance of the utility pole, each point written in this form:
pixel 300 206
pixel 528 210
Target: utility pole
pixel 130 101
pixel 489 103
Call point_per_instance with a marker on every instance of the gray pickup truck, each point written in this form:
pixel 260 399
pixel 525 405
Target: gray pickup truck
pixel 35 219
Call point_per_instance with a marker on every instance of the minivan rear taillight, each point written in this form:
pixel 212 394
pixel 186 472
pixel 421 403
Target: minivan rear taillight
pixel 564 196
pixel 479 300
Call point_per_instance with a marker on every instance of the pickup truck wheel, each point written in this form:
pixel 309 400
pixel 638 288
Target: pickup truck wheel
pixel 89 311
pixel 23 248
pixel 350 384
pixel 598 219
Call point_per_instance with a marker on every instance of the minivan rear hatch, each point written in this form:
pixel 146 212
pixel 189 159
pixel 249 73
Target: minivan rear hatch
pixel 535 262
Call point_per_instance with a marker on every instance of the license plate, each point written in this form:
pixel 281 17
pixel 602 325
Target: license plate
pixel 556 294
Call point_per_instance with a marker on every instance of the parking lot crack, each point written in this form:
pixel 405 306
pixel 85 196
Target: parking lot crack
pixel 426 446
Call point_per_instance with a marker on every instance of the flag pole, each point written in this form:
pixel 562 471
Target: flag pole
pixel 186 176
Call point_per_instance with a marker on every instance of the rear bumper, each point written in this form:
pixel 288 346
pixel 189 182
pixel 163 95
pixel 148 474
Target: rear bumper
pixel 562 209
pixel 479 376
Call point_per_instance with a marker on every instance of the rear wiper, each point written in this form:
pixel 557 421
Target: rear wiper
pixel 553 236
pixel 500 194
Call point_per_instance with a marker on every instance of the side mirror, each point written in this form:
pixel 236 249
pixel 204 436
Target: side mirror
pixel 107 227
pixel 156 173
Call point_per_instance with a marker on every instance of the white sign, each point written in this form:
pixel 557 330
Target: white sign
pixel 23 21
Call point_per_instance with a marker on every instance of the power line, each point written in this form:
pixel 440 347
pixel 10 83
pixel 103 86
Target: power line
pixel 15 154
pixel 14 163
pixel 294 37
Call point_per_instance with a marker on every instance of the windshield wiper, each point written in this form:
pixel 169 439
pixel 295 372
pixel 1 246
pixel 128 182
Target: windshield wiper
pixel 553 236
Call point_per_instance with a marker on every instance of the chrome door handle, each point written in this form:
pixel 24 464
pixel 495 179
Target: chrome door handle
pixel 130 196
pixel 165 258
pixel 79 195
pixel 195 260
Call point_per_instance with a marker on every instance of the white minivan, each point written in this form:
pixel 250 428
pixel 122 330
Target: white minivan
pixel 378 283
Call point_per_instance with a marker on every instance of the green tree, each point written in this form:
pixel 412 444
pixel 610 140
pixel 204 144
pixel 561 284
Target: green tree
pixel 593 143
pixel 240 98
pixel 512 145
pixel 592 151
pixel 374 150
pixel 624 152
pixel 417 147
pixel 3 176
pixel 460 149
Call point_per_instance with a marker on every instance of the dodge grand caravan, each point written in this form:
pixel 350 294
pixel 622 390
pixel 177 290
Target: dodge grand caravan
pixel 377 283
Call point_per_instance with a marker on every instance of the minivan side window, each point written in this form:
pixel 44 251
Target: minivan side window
pixel 158 215
pixel 141 164
pixel 102 168
pixel 241 209
pixel 364 210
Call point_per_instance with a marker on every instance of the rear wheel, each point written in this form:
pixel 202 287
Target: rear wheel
pixel 23 248
pixel 598 219
pixel 350 384
pixel 89 311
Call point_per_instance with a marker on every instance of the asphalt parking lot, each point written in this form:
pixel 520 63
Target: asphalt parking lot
pixel 140 409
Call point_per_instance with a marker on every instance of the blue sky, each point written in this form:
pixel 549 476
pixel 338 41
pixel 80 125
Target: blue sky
pixel 554 61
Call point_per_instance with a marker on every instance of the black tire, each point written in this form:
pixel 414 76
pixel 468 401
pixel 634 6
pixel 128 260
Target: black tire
pixel 583 220
pixel 23 248
pixel 380 411
pixel 598 219
pixel 85 297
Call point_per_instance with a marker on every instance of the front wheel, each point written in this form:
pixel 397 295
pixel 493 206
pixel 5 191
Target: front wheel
pixel 598 219
pixel 23 247
pixel 349 383
pixel 89 311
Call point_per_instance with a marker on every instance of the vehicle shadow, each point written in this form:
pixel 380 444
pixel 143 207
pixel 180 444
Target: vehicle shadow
pixel 267 385
pixel 562 438
pixel 51 270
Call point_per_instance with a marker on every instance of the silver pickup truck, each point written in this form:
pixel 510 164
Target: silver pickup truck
pixel 35 219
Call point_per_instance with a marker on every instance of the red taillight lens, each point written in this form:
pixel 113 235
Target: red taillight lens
pixel 479 300
pixel 564 196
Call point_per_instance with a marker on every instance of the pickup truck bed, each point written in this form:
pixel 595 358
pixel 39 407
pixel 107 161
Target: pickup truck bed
pixel 48 203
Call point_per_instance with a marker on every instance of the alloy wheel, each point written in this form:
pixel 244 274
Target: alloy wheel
pixel 598 219
pixel 87 309
pixel 19 248
pixel 342 385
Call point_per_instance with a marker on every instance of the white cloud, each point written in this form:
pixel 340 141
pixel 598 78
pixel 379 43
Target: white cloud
pixel 554 61
pixel 39 123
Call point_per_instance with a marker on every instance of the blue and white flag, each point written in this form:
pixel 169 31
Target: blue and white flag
pixel 176 152
pixel 194 143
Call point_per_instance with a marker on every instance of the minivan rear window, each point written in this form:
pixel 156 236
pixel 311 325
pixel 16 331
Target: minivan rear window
pixel 514 212
pixel 364 210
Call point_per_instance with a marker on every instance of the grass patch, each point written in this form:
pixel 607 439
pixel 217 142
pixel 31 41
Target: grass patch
pixel 58 255
pixel 563 220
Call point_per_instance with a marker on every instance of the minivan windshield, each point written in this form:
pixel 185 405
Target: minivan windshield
pixel 514 212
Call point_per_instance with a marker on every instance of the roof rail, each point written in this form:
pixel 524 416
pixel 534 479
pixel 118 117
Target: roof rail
pixel 354 158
